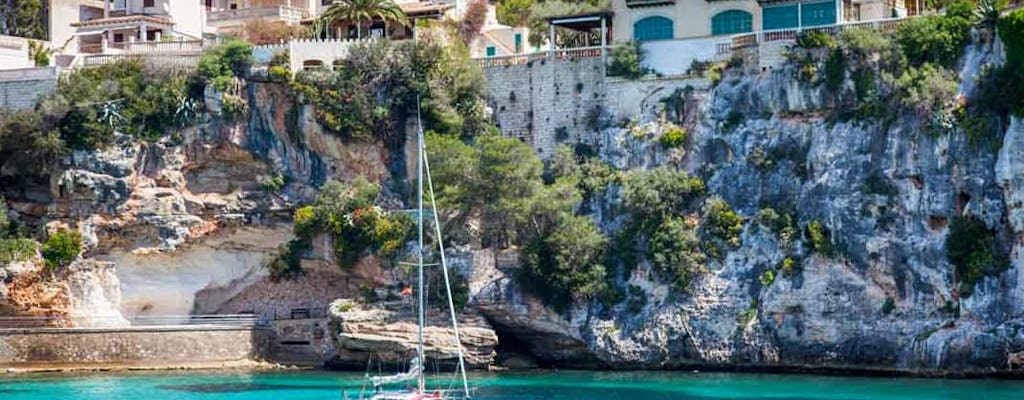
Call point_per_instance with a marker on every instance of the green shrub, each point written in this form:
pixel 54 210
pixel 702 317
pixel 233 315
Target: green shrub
pixel 16 249
pixel 767 278
pixel 814 40
pixel 565 264
pixel 937 39
pixel 231 59
pixel 379 82
pixel 1000 89
pixel 61 249
pixel 926 89
pixel 864 42
pixel 674 251
pixel 625 61
pixel 781 224
pixel 357 225
pixel 280 73
pixel 748 315
pixel 820 238
pixel 974 252
pixel 233 107
pixel 788 267
pixel 286 263
pixel 835 70
pixel 673 137
pixel 659 192
pixel 274 183
pixel 721 222
pixel 889 306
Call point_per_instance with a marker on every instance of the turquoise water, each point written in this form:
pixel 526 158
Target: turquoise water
pixel 563 385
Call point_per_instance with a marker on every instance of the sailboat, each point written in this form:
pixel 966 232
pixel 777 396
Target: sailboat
pixel 416 364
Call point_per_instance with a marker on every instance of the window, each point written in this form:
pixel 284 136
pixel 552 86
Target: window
pixel 815 14
pixel 118 37
pixel 780 17
pixel 147 3
pixel 732 21
pixel 490 51
pixel 519 43
pixel 652 28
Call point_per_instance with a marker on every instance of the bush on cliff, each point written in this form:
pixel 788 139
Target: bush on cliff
pixel 625 61
pixel 1001 89
pixel 937 39
pixel 495 183
pixel 61 249
pixel 375 89
pixel 222 64
pixel 675 252
pixel 974 251
pixel 14 245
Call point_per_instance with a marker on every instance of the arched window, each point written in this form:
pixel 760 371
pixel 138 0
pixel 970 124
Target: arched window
pixel 310 65
pixel 652 28
pixel 732 21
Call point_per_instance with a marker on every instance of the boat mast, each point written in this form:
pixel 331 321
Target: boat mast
pixel 444 268
pixel 419 249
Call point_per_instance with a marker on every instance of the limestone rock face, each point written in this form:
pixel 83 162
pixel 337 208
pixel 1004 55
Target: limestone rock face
pixel 384 336
pixel 887 192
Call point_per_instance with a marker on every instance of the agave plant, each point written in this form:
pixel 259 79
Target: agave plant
pixel 989 12
pixel 359 11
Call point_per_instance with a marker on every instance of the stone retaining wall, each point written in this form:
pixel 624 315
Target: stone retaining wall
pixel 21 88
pixel 168 347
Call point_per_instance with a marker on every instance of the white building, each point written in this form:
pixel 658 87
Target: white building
pixel 497 40
pixel 97 26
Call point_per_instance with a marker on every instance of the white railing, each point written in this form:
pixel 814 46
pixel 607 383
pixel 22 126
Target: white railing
pixel 526 58
pixel 173 47
pixel 28 74
pixel 284 12
pixel 776 35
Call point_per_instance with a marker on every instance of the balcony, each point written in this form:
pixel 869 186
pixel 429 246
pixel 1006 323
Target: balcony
pixel 284 13
pixel 650 3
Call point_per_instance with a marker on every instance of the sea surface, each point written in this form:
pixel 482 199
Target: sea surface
pixel 561 385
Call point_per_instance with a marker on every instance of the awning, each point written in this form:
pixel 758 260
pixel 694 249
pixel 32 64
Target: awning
pixel 96 30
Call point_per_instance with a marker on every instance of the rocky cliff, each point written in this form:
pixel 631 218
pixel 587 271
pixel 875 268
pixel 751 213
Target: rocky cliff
pixel 183 226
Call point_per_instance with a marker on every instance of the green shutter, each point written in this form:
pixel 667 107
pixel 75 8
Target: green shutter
pixel 732 21
pixel 816 14
pixel 779 17
pixel 653 28
pixel 519 43
pixel 490 51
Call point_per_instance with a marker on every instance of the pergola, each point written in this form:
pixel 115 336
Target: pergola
pixel 584 22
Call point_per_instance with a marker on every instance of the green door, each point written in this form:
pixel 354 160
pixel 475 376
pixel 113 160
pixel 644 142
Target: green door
pixel 816 14
pixel 779 17
pixel 519 43
pixel 732 21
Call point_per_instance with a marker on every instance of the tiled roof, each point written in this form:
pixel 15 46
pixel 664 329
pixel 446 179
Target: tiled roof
pixel 129 19
pixel 422 7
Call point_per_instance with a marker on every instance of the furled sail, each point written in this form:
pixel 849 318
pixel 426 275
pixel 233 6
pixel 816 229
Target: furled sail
pixel 415 367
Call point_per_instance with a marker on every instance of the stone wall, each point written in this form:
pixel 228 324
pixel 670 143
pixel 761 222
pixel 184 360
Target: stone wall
pixel 552 102
pixel 546 102
pixel 131 347
pixel 20 88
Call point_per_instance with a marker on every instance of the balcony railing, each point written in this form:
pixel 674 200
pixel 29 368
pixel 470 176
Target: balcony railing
pixel 776 35
pixel 283 12
pixel 558 54
pixel 647 3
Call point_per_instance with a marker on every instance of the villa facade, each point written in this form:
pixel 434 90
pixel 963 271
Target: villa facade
pixel 94 26
pixel 649 20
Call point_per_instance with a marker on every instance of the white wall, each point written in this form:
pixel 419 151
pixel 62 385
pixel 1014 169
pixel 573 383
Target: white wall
pixel 690 18
pixel 14 53
pixel 189 17
pixel 673 57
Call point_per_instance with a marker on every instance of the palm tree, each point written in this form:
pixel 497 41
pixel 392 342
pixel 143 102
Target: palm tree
pixel 364 10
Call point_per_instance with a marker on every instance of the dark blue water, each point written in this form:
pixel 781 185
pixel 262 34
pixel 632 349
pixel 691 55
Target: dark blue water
pixel 563 385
